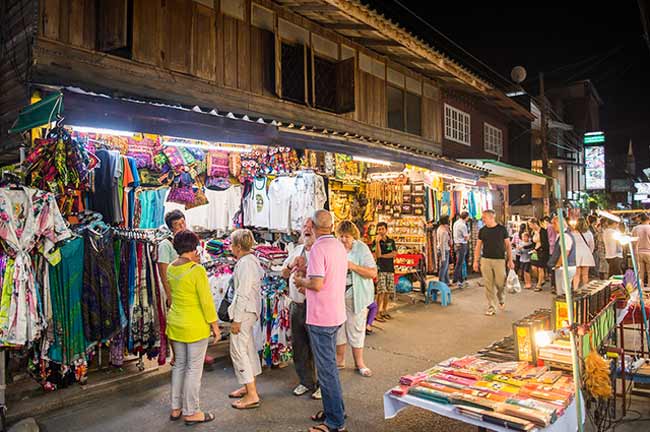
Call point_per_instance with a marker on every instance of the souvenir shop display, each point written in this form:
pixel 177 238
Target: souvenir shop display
pixel 79 274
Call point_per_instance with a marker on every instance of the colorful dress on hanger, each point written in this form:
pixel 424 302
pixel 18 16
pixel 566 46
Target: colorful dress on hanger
pixel 66 285
pixel 29 218
pixel 99 303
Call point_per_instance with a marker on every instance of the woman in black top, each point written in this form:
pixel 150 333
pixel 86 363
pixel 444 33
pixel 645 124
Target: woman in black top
pixel 542 250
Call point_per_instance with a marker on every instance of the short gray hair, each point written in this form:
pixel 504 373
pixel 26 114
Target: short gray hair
pixel 243 238
pixel 322 219
pixel 490 212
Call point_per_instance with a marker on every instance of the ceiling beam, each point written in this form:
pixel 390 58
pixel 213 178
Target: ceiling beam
pixel 313 7
pixel 347 26
pixel 376 42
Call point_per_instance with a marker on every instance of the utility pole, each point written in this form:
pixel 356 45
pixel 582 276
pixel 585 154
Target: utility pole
pixel 548 197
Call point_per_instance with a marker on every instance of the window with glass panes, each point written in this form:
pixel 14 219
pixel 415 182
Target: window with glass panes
pixel 457 125
pixel 492 139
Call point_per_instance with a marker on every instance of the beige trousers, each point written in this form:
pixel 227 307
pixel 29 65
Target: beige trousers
pixel 644 266
pixel 244 356
pixel 494 277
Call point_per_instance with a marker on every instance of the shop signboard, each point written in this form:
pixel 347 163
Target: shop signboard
pixel 642 188
pixel 595 167
pixel 640 197
pixel 620 185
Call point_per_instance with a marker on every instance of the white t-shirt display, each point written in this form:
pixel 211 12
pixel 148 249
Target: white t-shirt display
pixel 258 204
pixel 281 191
pixel 309 197
pixel 222 207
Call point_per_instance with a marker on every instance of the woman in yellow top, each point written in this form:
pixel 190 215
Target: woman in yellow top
pixel 189 320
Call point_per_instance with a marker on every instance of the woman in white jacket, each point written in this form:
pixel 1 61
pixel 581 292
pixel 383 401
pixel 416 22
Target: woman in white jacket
pixel 584 253
pixel 245 311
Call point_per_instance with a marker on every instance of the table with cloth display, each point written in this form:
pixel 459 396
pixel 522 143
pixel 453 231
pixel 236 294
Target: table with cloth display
pixel 498 396
pixel 394 404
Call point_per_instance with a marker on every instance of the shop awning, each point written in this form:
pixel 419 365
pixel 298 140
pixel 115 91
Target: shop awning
pixel 96 110
pixel 41 113
pixel 505 174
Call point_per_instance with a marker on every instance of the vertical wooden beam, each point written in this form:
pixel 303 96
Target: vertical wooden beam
pixel 278 57
pixel 313 73
pixel 219 67
pixel 244 49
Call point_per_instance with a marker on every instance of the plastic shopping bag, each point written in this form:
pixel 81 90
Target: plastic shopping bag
pixel 512 283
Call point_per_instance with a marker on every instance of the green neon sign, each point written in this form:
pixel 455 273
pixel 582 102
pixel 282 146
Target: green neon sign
pixel 594 139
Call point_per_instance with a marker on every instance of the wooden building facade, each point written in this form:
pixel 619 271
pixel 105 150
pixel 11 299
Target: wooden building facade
pixel 331 66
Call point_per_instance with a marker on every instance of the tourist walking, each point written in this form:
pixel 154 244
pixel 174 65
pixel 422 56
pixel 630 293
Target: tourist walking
pixel 539 256
pixel 460 237
pixel 613 249
pixel 642 247
pixel 359 294
pixel 191 317
pixel 491 255
pixel 245 313
pixel 585 246
pixel 443 237
pixel 303 359
pixel 555 262
pixel 324 287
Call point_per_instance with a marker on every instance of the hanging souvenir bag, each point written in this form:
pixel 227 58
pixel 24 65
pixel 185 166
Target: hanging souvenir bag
pixel 228 297
pixel 234 164
pixel 160 162
pixel 218 164
pixel 174 157
pixel 217 183
pixel 181 195
pixel 199 199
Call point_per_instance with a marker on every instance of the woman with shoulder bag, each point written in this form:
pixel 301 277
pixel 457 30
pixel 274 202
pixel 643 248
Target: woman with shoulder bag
pixel 244 312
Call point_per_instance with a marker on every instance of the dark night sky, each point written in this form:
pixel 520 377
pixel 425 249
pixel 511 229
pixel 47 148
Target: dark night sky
pixel 604 38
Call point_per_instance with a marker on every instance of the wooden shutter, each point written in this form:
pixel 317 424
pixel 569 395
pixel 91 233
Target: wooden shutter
pixel 293 72
pixel 262 61
pixel 112 25
pixel 147 29
pixel 204 40
pixel 326 83
pixel 345 86
pixel 177 35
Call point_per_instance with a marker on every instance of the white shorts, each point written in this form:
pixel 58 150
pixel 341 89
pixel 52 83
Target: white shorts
pixel 353 330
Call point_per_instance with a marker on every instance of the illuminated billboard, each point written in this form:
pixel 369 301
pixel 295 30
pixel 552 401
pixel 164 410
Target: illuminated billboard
pixel 595 167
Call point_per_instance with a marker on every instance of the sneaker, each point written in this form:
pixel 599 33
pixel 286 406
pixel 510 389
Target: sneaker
pixel 300 390
pixel 490 312
pixel 317 395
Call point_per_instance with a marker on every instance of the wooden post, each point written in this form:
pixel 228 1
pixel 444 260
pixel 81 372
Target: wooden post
pixel 544 146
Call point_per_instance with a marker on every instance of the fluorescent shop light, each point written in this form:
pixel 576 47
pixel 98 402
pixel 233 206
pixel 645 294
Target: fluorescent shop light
pixel 594 133
pixel 371 160
pixel 102 131
pixel 608 215
pixel 208 147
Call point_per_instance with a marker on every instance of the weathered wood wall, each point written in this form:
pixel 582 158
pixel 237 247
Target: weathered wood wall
pixel 18 28
pixel 216 42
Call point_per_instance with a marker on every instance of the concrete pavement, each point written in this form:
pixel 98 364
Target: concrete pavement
pixel 417 337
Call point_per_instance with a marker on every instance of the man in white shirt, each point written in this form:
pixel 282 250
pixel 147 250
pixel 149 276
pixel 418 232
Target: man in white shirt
pixel 303 358
pixel 613 249
pixel 460 237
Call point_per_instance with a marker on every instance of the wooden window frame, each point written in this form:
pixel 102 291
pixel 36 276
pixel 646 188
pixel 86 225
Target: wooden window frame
pixel 453 119
pixel 492 139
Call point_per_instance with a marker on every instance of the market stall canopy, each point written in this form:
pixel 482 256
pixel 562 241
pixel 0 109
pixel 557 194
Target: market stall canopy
pixel 41 113
pixel 503 173
pixel 209 124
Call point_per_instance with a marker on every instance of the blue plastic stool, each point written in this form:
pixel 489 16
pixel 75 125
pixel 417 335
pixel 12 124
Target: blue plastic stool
pixel 433 289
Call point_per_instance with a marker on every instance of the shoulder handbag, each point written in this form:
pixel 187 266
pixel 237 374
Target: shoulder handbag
pixel 222 313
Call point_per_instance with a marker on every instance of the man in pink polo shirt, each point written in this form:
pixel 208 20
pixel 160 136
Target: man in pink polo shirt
pixel 324 287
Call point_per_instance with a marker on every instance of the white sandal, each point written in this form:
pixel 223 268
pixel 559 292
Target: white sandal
pixel 364 372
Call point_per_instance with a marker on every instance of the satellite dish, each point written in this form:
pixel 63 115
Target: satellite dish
pixel 518 74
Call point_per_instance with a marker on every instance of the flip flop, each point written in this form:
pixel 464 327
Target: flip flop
pixel 175 418
pixel 324 428
pixel 340 367
pixel 253 405
pixel 235 395
pixel 365 372
pixel 207 418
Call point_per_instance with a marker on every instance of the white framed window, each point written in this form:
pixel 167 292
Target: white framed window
pixel 492 139
pixel 457 125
